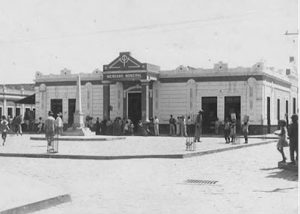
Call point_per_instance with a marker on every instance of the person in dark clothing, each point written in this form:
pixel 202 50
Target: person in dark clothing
pixel 172 123
pixel 97 126
pixel 198 126
pixel 103 127
pixel 293 135
pixel 227 130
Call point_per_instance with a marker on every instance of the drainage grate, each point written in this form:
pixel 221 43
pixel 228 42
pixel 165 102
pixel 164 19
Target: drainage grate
pixel 201 182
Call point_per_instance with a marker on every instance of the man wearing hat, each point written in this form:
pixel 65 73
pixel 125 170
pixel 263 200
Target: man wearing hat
pixel 293 134
pixel 50 130
pixel 198 126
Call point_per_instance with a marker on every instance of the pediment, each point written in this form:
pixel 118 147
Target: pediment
pixel 124 62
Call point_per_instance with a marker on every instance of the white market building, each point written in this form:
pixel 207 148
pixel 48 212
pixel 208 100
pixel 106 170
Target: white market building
pixel 139 91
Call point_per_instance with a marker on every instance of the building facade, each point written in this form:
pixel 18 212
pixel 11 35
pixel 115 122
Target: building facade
pixel 10 94
pixel 139 91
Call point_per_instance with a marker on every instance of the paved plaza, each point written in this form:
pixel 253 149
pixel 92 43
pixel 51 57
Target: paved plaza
pixel 130 146
pixel 244 180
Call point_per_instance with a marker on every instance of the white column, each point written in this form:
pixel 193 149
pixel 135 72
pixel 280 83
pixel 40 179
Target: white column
pixel 4 101
pixel 78 115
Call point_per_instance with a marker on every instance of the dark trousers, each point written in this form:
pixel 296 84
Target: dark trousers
pixel 227 135
pixel 293 149
pixel 246 137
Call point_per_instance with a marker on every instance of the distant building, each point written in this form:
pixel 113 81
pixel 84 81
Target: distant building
pixel 140 91
pixel 10 94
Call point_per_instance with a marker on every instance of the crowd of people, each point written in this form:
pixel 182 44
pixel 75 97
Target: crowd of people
pixel 124 126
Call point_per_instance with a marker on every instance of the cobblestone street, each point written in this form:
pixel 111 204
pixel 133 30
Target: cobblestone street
pixel 248 181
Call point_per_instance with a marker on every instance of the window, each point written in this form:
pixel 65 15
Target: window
pixel 294 105
pixel 18 111
pixel 10 112
pixel 0 112
pixel 287 107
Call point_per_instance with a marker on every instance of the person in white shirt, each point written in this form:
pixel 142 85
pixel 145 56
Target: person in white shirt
pixel 59 123
pixel 156 126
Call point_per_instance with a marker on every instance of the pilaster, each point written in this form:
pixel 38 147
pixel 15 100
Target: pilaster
pixel 106 99
pixel 145 100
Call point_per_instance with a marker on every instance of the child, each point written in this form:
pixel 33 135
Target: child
pixel 4 129
pixel 282 141
pixel 227 130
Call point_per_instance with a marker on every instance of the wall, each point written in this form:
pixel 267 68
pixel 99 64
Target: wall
pixel 91 95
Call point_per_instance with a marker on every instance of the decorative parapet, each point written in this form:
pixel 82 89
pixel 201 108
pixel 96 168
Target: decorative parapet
pixel 258 67
pixel 66 75
pixel 220 66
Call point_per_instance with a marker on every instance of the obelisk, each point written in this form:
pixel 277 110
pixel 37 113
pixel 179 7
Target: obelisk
pixel 78 115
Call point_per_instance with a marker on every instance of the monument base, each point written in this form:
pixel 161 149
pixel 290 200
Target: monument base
pixel 80 131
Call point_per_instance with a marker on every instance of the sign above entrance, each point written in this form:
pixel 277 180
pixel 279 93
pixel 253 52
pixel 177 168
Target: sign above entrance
pixel 124 76
pixel 125 62
pixel 127 68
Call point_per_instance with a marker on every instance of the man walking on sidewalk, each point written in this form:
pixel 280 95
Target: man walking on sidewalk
pixel 50 130
pixel 4 128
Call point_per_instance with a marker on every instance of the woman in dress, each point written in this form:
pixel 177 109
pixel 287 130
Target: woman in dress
pixel 282 141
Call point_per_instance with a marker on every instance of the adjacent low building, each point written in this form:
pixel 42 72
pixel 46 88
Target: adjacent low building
pixel 11 94
pixel 140 91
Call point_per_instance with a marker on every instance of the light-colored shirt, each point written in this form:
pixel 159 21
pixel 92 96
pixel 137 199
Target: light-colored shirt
pixel 59 122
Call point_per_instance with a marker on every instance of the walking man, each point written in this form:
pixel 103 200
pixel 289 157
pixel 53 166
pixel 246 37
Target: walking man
pixel 4 128
pixel 198 126
pixel 293 134
pixel 50 131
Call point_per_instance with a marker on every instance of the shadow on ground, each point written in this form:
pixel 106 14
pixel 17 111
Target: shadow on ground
pixel 275 172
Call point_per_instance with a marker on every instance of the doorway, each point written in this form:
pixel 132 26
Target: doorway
pixel 134 107
pixel 71 111
pixel 233 106
pixel 56 106
pixel 209 106
pixel 268 115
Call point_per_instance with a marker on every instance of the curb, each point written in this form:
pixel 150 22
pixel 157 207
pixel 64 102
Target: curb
pixel 225 149
pixel 80 139
pixel 39 205
pixel 95 157
pixel 89 157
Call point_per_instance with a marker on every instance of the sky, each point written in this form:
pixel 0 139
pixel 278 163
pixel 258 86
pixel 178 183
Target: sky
pixel 83 35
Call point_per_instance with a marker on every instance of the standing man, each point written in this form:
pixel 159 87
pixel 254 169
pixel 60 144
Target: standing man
pixel 19 124
pixel 198 126
pixel 293 134
pixel 172 125
pixel 50 130
pixel 156 126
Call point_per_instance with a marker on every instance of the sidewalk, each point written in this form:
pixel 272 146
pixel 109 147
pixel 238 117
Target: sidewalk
pixel 130 147
pixel 25 195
